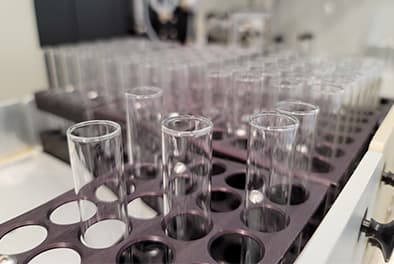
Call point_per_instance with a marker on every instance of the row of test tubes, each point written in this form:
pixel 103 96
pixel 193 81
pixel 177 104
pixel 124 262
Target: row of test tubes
pixel 283 104
pixel 107 68
pixel 225 84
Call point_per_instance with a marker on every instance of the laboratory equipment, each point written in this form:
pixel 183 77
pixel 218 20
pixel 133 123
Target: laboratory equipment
pixel 187 162
pixel 96 155
pixel 144 112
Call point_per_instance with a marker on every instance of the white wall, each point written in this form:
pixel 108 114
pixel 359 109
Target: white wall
pixel 22 68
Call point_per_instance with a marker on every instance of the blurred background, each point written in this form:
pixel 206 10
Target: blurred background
pixel 335 26
pixel 36 34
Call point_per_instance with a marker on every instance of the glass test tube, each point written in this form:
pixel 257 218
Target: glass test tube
pixel 49 55
pixel 247 99
pixel 289 89
pixel 187 162
pixel 271 141
pixel 197 83
pixel 112 79
pixel 174 83
pixel 61 67
pixel 270 84
pixel 144 106
pixel 216 97
pixel 329 98
pixel 96 156
pixel 307 115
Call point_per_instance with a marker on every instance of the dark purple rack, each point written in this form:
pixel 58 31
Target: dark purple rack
pixel 276 247
pixel 68 105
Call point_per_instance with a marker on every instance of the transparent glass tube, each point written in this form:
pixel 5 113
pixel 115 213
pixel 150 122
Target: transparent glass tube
pixel 289 89
pixel 175 83
pixel 150 72
pixel 49 55
pixel 247 99
pixel 307 115
pixel 61 67
pixel 96 156
pixel 197 84
pixel 144 113
pixel 112 82
pixel 187 162
pixel 269 88
pixel 271 142
pixel 216 97
pixel 332 116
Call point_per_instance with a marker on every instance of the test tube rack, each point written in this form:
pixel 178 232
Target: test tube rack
pixel 219 245
pixel 328 178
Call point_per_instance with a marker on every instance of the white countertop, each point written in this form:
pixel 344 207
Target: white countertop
pixel 31 181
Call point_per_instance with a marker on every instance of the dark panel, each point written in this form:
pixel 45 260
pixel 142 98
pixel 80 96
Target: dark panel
pixel 102 18
pixel 56 21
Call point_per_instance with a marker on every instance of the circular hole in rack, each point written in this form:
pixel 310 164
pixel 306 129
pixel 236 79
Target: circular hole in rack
pixel 298 194
pixel 60 255
pixel 217 135
pixel 320 166
pixel 240 143
pixel 146 207
pixel 216 169
pixel 104 234
pixel 265 219
pixel 238 181
pixel 236 248
pixel 187 226
pixel 327 151
pixel 359 119
pixel 146 251
pixel 222 200
pixel 68 213
pixel 364 120
pixel 348 129
pixel 22 239
pixel 330 138
pixel 147 172
pixel 105 194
